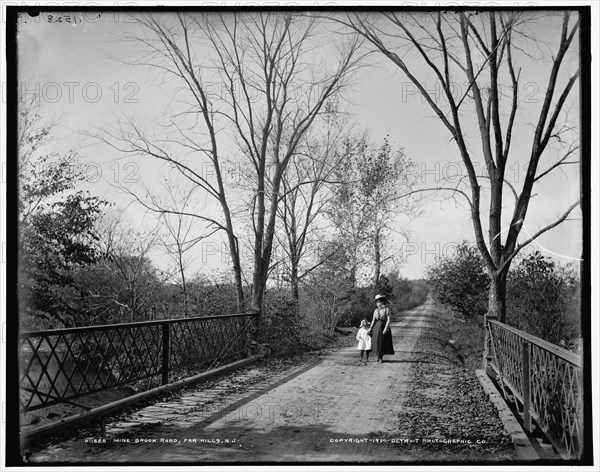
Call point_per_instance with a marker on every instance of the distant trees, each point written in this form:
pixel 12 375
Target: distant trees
pixel 366 194
pixel 123 282
pixel 409 293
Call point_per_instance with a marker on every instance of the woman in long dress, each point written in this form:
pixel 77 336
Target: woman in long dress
pixel 381 334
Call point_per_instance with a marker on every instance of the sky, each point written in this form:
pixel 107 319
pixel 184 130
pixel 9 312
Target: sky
pixel 77 70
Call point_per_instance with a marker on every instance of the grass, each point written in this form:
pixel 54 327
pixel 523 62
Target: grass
pixel 468 336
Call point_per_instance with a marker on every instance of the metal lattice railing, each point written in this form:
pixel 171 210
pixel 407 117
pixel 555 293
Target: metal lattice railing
pixel 557 397
pixel 546 379
pixel 61 365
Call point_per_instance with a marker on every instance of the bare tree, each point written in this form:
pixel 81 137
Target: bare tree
pixel 124 277
pixel 488 51
pixel 306 190
pixel 180 234
pixel 251 85
pixel 55 218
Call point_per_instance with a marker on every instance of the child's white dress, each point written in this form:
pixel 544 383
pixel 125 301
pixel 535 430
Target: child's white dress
pixel 364 340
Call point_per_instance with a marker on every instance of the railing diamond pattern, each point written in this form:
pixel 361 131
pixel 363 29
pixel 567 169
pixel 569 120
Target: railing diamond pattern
pixel 62 365
pixel 556 398
pixel 556 384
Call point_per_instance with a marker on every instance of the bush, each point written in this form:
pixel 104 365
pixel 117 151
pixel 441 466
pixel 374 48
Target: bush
pixel 208 298
pixel 543 299
pixel 360 307
pixel 280 324
pixel 460 281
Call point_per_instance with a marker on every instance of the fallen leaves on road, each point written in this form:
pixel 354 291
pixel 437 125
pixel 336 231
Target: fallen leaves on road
pixel 447 414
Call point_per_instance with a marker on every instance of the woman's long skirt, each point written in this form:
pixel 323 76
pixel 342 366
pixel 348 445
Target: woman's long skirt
pixel 381 344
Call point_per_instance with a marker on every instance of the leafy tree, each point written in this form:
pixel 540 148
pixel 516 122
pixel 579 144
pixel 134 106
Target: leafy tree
pixel 56 221
pixel 384 287
pixel 460 281
pixel 543 299
pixel 212 297
pixel 384 184
pixel 374 183
pixel 347 211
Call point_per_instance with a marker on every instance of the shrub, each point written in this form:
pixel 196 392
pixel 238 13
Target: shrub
pixel 543 299
pixel 460 281
pixel 280 323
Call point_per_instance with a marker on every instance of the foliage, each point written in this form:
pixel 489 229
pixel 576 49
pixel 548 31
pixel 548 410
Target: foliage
pixel 120 290
pixel 363 207
pixel 329 296
pixel 209 298
pixel 543 299
pixel 542 296
pixel 385 288
pixel 280 323
pixel 460 281
pixel 408 293
pixel 56 223
pixel 331 300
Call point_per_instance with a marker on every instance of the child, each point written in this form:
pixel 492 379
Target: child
pixel 364 339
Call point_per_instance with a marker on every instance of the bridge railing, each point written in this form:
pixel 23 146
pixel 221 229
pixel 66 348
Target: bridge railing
pixel 546 379
pixel 59 366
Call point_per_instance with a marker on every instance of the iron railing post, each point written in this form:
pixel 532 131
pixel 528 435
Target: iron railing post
pixel 488 347
pixel 165 352
pixel 526 386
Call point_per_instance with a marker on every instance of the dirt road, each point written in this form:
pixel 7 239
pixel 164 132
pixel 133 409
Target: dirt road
pixel 337 410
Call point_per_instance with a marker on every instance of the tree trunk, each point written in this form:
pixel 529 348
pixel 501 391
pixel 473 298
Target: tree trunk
pixel 497 295
pixel 184 290
pixel 264 238
pixel 377 260
pixel 237 268
pixel 294 280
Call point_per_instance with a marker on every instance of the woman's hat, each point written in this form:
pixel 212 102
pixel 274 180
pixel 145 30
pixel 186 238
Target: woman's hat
pixel 379 297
